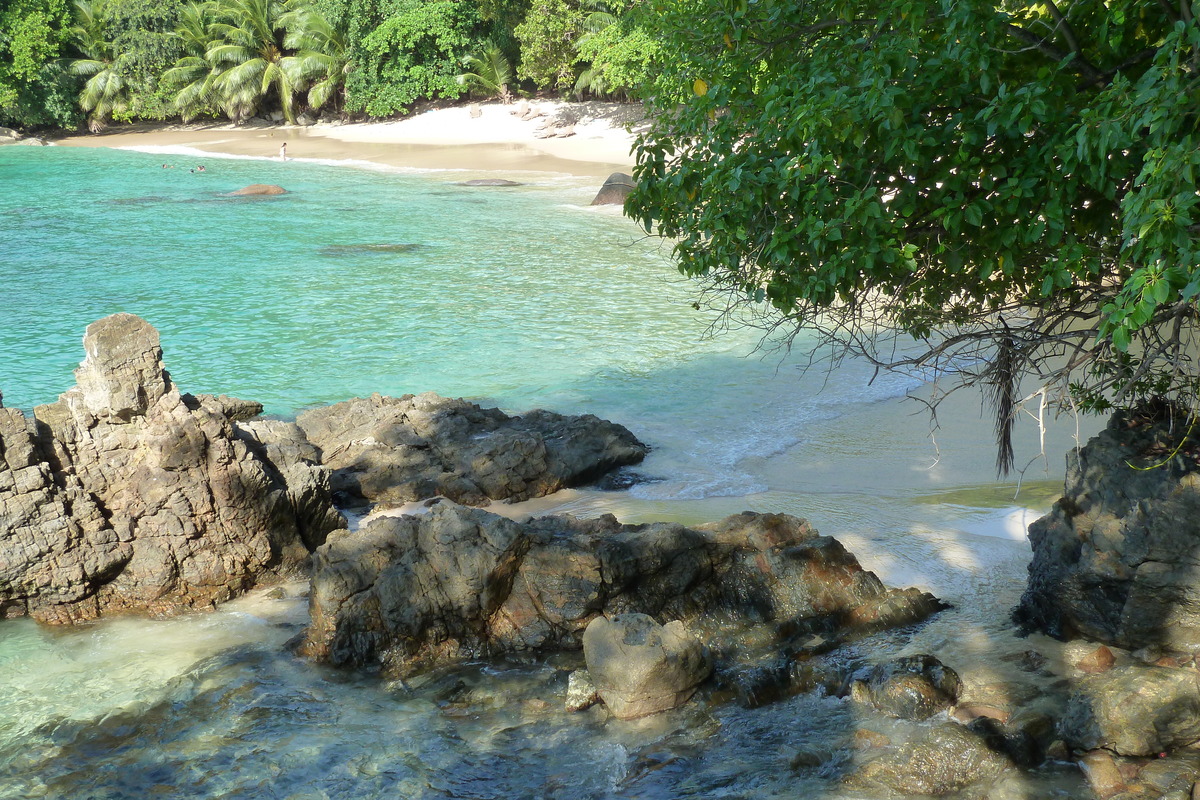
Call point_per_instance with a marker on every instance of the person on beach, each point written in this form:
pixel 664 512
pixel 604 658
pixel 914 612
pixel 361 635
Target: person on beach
pixel 283 152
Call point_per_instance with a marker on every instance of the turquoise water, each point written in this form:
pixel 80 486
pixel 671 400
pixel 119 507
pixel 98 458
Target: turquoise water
pixel 359 281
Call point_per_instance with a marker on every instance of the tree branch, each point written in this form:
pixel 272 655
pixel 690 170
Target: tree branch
pixel 1053 51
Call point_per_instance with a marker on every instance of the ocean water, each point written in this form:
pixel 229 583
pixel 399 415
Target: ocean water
pixel 369 280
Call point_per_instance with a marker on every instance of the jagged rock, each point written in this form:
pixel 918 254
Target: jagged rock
pixel 397 450
pixel 581 692
pixel 1118 558
pixel 640 667
pixel 947 759
pixel 912 687
pixel 414 592
pixel 1134 711
pixel 615 190
pixel 258 190
pixel 127 495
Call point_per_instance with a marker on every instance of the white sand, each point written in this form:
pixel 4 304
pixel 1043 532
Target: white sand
pixel 496 138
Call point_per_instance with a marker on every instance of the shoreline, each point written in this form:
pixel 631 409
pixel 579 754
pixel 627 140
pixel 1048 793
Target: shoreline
pixel 498 138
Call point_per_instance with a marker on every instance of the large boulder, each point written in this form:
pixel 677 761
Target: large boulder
pixel 394 450
pixel 615 190
pixel 640 667
pixel 1118 558
pixel 414 592
pixel 1134 711
pixel 126 495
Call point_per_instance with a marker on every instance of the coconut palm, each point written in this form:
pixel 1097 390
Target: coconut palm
pixel 488 70
pixel 106 91
pixel 192 76
pixel 320 53
pixel 248 58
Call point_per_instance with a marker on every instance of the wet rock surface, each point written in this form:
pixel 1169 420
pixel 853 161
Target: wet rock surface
pixel 913 687
pixel 126 495
pixel 942 760
pixel 410 593
pixel 1134 711
pixel 395 450
pixel 616 188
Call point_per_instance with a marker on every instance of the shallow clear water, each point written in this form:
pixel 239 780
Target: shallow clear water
pixel 359 281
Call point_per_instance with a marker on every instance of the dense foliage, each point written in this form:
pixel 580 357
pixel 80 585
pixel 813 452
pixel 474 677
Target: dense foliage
pixel 154 59
pixel 1012 185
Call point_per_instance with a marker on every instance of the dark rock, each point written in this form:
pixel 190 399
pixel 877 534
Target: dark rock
pixel 358 249
pixel 1133 711
pixel 237 410
pixel 615 190
pixel 258 190
pixel 1117 558
pixel 127 496
pixel 399 450
pixel 411 593
pixel 640 667
pixel 947 759
pixel 912 687
pixel 489 182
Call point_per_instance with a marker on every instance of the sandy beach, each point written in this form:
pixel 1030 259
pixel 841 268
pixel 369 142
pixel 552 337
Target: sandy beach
pixel 494 137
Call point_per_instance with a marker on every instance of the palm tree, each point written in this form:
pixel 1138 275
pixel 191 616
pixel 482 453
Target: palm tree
pixel 320 59
pixel 248 58
pixel 106 91
pixel 192 76
pixel 488 70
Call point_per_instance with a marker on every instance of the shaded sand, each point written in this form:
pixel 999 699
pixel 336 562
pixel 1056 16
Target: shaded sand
pixel 497 140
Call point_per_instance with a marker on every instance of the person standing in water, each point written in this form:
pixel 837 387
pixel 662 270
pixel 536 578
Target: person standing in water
pixel 283 152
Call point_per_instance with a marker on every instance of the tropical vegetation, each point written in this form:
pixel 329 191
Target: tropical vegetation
pixel 1005 192
pixel 64 61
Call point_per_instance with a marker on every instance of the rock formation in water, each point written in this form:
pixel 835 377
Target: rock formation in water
pixel 414 592
pixel 1118 558
pixel 394 450
pixel 128 495
pixel 639 667
pixel 616 188
pixel 258 190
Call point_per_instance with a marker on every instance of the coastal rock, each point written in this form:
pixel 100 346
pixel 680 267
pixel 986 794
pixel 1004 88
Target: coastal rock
pixel 396 450
pixel 640 667
pixel 128 495
pixel 581 692
pixel 258 190
pixel 414 592
pixel 1133 711
pixel 615 190
pixel 1117 560
pixel 912 687
pixel 946 759
pixel 9 133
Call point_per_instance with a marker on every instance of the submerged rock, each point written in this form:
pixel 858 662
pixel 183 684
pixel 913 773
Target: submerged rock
pixel 640 667
pixel 912 687
pixel 410 593
pixel 126 495
pixel 943 760
pixel 258 190
pixel 395 450
pixel 1118 558
pixel 489 182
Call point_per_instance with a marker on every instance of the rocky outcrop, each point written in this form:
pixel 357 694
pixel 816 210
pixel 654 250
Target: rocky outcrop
pixel 413 592
pixel 615 190
pixel 639 667
pixel 391 450
pixel 128 495
pixel 1118 558
pixel 258 190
